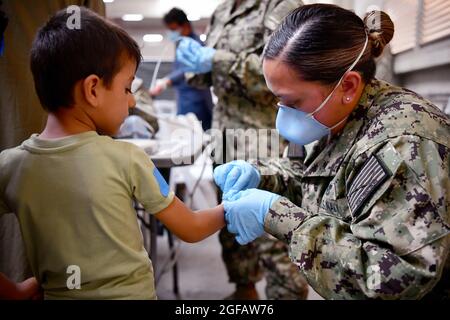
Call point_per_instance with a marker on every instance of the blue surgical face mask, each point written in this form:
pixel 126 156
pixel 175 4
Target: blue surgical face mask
pixel 302 128
pixel 174 35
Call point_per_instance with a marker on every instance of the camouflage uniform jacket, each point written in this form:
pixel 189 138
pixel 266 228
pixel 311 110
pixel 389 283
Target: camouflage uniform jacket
pixel 368 212
pixel 244 101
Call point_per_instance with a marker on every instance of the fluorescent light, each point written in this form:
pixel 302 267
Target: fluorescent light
pixel 108 1
pixel 203 37
pixel 193 17
pixel 132 17
pixel 153 38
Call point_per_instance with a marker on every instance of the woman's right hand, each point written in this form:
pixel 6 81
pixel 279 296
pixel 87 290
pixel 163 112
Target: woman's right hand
pixel 236 176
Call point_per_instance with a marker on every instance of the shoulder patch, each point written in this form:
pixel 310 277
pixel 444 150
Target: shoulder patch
pixel 163 186
pixel 371 175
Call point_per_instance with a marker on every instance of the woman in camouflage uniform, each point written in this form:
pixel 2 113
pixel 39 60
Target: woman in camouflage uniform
pixel 231 63
pixel 366 213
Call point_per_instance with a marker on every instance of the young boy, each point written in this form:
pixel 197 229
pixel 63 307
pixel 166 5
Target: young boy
pixel 73 189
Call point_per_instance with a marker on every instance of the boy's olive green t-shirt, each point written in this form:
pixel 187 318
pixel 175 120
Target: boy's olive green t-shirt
pixel 73 197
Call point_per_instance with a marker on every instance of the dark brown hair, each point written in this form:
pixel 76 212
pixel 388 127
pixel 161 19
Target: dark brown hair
pixel 321 41
pixel 177 16
pixel 61 56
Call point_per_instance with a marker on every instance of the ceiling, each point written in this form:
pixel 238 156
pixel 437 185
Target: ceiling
pixel 153 11
pixel 157 8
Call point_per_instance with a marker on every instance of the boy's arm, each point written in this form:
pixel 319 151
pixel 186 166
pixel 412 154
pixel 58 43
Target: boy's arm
pixel 28 289
pixel 149 188
pixel 191 226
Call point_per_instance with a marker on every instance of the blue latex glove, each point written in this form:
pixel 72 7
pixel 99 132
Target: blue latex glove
pixel 194 56
pixel 236 176
pixel 245 213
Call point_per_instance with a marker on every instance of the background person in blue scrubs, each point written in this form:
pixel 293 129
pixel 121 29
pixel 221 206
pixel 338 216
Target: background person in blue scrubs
pixel 189 99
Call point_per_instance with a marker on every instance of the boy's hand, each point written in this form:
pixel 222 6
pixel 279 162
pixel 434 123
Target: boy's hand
pixel 29 290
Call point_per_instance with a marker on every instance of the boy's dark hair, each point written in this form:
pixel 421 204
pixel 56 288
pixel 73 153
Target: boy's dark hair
pixel 177 16
pixel 61 56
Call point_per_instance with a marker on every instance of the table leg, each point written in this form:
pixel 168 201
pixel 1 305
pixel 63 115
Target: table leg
pixel 175 265
pixel 153 242
pixel 166 175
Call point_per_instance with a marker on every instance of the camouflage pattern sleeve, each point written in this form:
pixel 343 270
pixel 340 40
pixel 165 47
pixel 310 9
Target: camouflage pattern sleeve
pixel 280 176
pixel 396 244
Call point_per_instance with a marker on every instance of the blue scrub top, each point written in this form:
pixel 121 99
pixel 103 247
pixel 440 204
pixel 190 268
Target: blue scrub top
pixel 191 99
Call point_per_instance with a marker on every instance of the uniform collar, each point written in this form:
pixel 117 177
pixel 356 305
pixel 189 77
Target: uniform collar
pixel 36 144
pixel 324 159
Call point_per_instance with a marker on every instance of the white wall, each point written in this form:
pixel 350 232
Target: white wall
pixel 425 69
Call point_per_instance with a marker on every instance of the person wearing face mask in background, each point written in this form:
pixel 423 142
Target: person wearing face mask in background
pixel 366 213
pixel 189 99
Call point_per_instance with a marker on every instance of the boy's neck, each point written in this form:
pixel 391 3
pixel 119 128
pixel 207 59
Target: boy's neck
pixel 66 123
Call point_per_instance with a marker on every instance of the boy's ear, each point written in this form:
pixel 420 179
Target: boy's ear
pixel 91 89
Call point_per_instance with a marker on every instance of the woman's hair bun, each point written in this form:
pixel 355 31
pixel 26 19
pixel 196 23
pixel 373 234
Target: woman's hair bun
pixel 380 29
